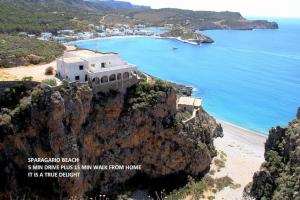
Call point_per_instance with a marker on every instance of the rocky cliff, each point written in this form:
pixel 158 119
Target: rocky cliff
pixel 187 35
pixel 279 177
pixel 135 127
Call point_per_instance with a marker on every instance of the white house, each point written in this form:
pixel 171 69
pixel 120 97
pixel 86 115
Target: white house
pixel 96 67
pixel 188 103
pixel 46 36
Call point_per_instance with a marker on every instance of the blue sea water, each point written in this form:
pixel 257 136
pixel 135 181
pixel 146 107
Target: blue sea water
pixel 249 78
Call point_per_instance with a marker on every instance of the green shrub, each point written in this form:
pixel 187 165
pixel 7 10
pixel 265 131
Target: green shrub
pixel 27 78
pixel 49 71
pixel 161 83
pixel 219 163
pixel 223 182
pixel 51 82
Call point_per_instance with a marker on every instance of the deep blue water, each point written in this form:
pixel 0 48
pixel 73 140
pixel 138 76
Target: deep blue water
pixel 249 78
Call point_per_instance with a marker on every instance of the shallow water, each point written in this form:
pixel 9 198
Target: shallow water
pixel 249 78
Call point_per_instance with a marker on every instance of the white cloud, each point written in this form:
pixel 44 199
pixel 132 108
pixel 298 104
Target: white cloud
pixel 281 8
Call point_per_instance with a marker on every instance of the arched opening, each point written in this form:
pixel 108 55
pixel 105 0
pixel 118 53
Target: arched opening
pixel 119 76
pixel 112 77
pixel 97 81
pixel 126 75
pixel 104 79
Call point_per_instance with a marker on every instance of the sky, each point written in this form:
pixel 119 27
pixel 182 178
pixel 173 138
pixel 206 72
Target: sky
pixel 266 8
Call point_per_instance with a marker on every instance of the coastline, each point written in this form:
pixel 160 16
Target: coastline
pixel 244 151
pixel 244 148
pixel 132 36
pixel 244 130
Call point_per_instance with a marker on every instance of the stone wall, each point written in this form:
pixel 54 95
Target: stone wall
pixel 120 85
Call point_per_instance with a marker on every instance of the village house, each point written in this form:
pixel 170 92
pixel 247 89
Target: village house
pixel 188 103
pixel 45 36
pixel 95 67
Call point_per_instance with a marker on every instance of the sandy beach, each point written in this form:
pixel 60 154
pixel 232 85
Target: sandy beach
pixel 245 154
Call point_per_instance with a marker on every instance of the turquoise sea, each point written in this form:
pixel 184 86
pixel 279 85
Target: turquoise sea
pixel 249 78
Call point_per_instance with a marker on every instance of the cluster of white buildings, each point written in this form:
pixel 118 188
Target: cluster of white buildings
pixel 95 31
pixel 95 67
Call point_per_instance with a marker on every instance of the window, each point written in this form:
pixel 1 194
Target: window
pixel 102 65
pixel 119 76
pixel 77 78
pixel 97 80
pixel 104 79
pixel 126 75
pixel 112 77
pixel 80 67
pixel 86 78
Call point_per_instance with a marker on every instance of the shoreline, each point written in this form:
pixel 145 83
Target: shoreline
pixel 132 36
pixel 244 150
pixel 245 130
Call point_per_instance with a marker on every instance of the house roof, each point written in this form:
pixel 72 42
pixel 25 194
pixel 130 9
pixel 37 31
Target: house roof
pixel 189 101
pixel 88 53
pixel 72 60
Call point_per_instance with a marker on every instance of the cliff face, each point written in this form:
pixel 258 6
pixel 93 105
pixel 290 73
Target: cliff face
pixel 138 127
pixel 279 177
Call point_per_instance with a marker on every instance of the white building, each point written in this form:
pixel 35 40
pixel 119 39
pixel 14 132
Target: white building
pixel 66 32
pixel 188 103
pixel 98 68
pixel 85 36
pixel 46 36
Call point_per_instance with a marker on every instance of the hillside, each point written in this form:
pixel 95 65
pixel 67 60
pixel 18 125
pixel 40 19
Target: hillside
pixel 35 16
pixel 202 20
pixel 138 126
pixel 279 177
pixel 38 16
pixel 112 4
pixel 18 50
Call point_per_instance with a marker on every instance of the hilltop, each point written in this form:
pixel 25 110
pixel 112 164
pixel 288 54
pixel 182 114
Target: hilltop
pixel 194 20
pixel 35 16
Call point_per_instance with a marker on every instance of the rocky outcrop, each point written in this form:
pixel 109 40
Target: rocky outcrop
pixel 187 35
pixel 279 177
pixel 241 24
pixel 135 127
